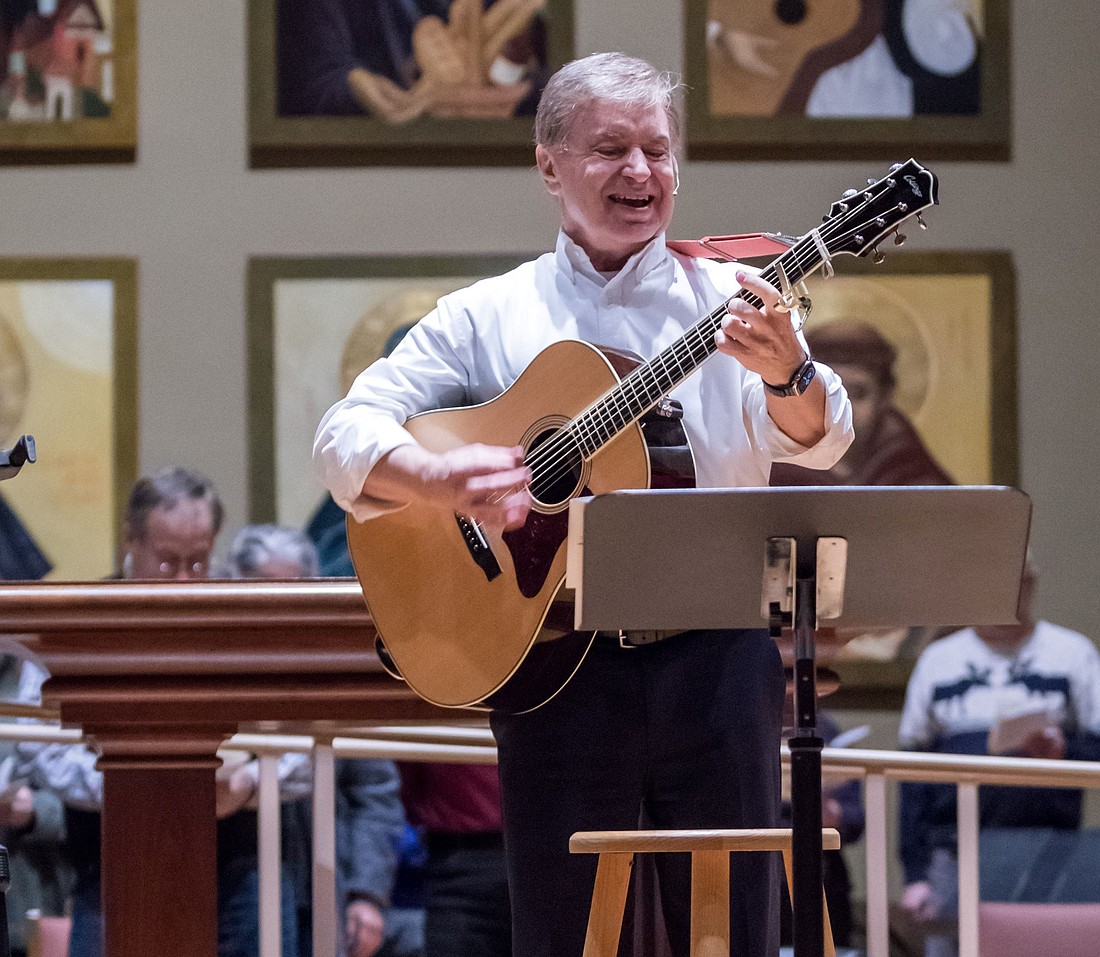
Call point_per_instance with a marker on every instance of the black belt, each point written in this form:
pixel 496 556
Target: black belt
pixel 637 638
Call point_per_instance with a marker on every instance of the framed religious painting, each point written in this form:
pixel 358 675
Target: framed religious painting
pixel 68 81
pixel 400 82
pixel 313 326
pixel 848 79
pixel 68 363
pixel 926 346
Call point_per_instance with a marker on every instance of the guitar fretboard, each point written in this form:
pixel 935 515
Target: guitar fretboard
pixel 646 385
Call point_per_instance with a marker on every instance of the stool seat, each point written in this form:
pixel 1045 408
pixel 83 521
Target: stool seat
pixel 710 879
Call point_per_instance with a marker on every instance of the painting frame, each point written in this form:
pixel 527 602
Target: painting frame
pixel 985 137
pixel 110 139
pixel 277 141
pixel 865 683
pixel 264 273
pixel 122 428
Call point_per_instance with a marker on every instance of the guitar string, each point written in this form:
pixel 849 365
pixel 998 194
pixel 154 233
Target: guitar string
pixel 592 422
pixel 566 446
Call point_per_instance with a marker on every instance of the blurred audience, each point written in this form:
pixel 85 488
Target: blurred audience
pixel 1030 690
pixel 456 808
pixel 369 818
pixel 171 522
pixel 32 828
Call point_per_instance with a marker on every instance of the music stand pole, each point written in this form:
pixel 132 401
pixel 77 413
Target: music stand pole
pixel 808 930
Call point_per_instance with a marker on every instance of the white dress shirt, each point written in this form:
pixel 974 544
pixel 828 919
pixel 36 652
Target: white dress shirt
pixel 478 340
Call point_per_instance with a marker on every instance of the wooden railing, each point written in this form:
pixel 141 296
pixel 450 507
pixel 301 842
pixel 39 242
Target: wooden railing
pixel 159 675
pixel 476 745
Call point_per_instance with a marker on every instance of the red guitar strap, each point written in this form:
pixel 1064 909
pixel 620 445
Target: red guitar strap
pixel 727 248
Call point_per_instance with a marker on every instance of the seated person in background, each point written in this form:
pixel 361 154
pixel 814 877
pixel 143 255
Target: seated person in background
pixel 172 519
pixel 1030 690
pixel 369 816
pixel 456 807
pixel 887 449
pixel 32 828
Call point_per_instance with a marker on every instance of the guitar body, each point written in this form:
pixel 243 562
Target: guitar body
pixel 464 634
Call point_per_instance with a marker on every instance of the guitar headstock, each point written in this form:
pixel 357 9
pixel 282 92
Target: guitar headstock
pixel 861 218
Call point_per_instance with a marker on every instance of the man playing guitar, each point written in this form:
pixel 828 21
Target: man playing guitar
pixel 686 727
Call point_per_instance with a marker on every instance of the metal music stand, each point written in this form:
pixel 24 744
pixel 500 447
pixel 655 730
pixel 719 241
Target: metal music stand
pixel 858 557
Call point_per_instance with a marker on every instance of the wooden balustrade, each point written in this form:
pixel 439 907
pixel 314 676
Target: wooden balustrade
pixel 158 675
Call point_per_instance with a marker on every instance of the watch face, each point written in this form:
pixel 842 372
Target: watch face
pixel 805 378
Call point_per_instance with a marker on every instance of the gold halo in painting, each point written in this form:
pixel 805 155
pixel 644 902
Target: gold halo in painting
pixel 853 297
pixel 369 336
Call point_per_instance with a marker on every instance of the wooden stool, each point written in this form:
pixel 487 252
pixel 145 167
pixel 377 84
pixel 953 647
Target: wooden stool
pixel 710 880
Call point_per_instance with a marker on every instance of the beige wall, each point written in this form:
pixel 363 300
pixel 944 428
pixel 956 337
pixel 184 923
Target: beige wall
pixel 193 213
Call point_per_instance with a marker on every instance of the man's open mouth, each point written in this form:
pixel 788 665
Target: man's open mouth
pixel 635 202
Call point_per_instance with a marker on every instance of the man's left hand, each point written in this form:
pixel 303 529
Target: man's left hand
pixel 762 340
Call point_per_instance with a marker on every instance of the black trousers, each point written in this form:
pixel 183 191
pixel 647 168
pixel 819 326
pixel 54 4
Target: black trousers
pixel 687 730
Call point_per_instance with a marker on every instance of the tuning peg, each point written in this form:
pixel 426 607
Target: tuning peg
pixel 895 167
pixel 849 193
pixel 871 181
pixel 899 239
pixel 921 222
pixel 878 256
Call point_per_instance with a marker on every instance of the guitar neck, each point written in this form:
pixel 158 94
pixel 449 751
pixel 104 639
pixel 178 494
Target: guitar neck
pixel 650 382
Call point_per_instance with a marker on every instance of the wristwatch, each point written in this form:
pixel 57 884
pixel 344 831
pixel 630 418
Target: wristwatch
pixel 798 383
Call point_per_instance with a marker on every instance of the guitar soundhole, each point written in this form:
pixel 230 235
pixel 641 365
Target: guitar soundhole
pixel 557 472
pixel 791 12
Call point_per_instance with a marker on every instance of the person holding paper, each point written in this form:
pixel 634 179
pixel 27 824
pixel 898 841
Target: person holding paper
pixel 1029 690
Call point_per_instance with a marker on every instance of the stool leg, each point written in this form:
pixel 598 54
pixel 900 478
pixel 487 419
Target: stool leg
pixel 710 904
pixel 829 948
pixel 605 919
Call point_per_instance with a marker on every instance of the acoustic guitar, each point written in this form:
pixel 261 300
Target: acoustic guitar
pixel 464 612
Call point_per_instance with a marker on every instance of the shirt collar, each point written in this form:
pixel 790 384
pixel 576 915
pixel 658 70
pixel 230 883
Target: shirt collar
pixel 574 262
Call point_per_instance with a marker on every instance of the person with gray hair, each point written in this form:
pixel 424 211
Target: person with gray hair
pixel 369 816
pixel 271 551
pixel 680 728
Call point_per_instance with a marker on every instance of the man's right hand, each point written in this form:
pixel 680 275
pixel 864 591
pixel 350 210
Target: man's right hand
pixel 487 483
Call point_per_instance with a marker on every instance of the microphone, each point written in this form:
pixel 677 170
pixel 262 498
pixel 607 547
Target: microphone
pixel 5 883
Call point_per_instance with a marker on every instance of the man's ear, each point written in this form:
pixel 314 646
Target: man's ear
pixel 545 163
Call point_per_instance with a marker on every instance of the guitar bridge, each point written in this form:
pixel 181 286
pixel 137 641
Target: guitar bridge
pixel 480 550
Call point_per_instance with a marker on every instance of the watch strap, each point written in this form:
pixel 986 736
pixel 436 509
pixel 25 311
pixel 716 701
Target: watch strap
pixel 798 383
